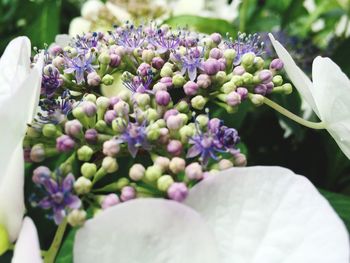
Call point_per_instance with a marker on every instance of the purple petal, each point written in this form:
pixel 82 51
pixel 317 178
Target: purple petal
pixel 67 183
pixel 192 74
pixel 73 202
pixel 193 151
pixel 58 215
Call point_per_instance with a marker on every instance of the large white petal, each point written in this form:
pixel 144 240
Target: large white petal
pixel 302 83
pixel 332 96
pixel 27 247
pixel 147 231
pixel 270 215
pixel 11 192
pixel 14 64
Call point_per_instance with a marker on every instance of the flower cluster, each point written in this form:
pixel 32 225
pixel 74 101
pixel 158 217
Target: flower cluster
pixel 166 80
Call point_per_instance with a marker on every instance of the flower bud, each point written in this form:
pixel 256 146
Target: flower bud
pixel 107 80
pixel 64 143
pixel 243 92
pixel 216 53
pixel 137 172
pixel 119 125
pixel 174 122
pixel 153 132
pixel 177 165
pixel 85 153
pixel 177 192
pixel 49 130
pixel 88 170
pixel 276 64
pixel 93 79
pixel 186 132
pixel 216 38
pixel 111 148
pixel 225 164
pixel 142 99
pixel 288 89
pixel 211 66
pixel 166 71
pixel 109 164
pixel 265 76
pixel 89 108
pixel 259 63
pixel 203 81
pixel 58 62
pixel 178 80
pixel 102 102
pixel 40 173
pixel 240 160
pixel 115 60
pixel 248 59
pixel 82 185
pixel 153 173
pixel 162 98
pixel 182 106
pixel 233 99
pixel 144 69
pixel 76 217
pixel 147 55
pixel 228 87
pixel 230 55
pixel 164 182
pixel 198 102
pixel 127 193
pixel 239 70
pixel 110 115
pixel 73 128
pixel 91 136
pixel 109 201
pixel 157 63
pixel 277 80
pixel 151 115
pixel 104 58
pixel 194 171
pixel 121 108
pixel 162 162
pixel 164 136
pixel 169 113
pixel 174 147
pixel 190 88
pixel 260 89
pixel 159 86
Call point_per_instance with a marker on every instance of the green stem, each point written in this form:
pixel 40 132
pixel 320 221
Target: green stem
pixel 292 116
pixel 50 255
pixel 243 15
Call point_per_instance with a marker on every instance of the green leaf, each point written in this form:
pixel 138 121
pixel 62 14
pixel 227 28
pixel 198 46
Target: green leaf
pixel 341 204
pixel 202 24
pixel 65 255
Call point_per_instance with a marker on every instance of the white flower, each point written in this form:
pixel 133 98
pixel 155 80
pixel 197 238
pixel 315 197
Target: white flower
pixel 19 95
pixel 255 214
pixel 27 246
pixel 328 94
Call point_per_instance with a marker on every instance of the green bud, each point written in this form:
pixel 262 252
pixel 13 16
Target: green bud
pixel 288 89
pixel 248 78
pixel 164 182
pixel 184 118
pixel 221 77
pixel 5 242
pixel 178 80
pixel 90 97
pixel 166 71
pixel 186 132
pixel 76 217
pixel 228 87
pixel 118 125
pixel 182 106
pixel 109 164
pixel 88 170
pixel 230 54
pixel 256 99
pixel 237 80
pixel 101 126
pixel 259 63
pixel 153 132
pixel 104 58
pixel 277 80
pixel 151 115
pixel 82 186
pixel 85 153
pixel 78 113
pixel 33 133
pixel 107 80
pixel 122 182
pixel 148 55
pixel 142 99
pixel 153 173
pixel 248 59
pixel 50 130
pixel 198 102
pixel 202 120
pixel 160 123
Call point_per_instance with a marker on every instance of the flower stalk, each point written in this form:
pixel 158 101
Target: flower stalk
pixel 51 254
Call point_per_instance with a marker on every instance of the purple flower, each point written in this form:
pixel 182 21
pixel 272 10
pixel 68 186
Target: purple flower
pixel 87 41
pixel 216 139
pixel 245 44
pixel 136 137
pixel 165 41
pixel 130 37
pixel 190 62
pixel 139 84
pixel 79 65
pixel 51 81
pixel 58 194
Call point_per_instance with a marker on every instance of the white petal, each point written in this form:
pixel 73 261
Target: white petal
pixel 79 26
pixel 270 215
pixel 11 192
pixel 14 64
pixel 147 231
pixel 301 82
pixel 332 96
pixel 91 9
pixel 119 13
pixel 27 247
pixel 63 40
